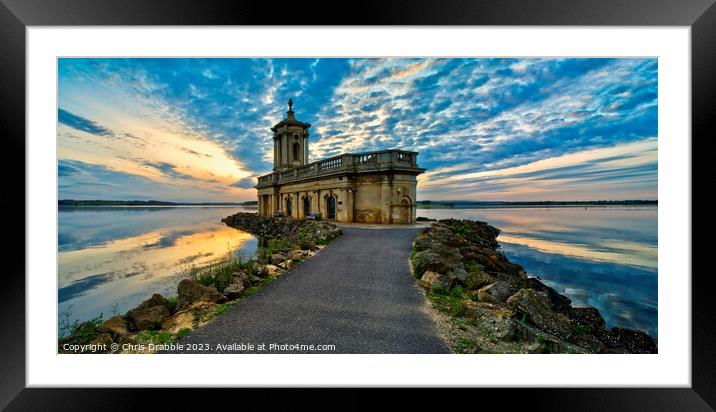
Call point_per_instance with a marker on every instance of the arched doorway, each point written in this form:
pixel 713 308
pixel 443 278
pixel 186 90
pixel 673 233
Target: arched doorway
pixel 306 206
pixel 288 206
pixel 405 212
pixel 331 206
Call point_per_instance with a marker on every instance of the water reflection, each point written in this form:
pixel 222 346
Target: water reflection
pixel 606 257
pixel 110 259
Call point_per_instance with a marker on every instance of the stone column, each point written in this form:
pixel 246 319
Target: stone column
pixel 386 193
pixel 305 148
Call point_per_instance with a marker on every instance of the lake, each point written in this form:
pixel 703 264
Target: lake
pixel 605 257
pixel 112 258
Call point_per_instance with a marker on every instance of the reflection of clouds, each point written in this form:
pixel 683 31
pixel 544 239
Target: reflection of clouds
pixel 587 251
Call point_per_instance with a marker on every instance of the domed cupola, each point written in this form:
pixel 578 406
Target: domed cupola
pixel 290 138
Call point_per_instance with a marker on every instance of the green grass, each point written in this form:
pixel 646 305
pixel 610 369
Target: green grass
pixel 182 333
pixel 155 336
pixel 578 329
pixel 447 301
pixel 466 345
pixel 172 303
pixel 459 228
pixel 82 332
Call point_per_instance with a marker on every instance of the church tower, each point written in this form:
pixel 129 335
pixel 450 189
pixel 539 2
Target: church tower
pixel 290 141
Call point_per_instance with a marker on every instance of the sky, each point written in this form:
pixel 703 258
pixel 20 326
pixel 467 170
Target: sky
pixel 487 129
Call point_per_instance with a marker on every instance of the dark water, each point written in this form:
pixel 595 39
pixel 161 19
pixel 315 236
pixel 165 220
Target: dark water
pixel 605 257
pixel 110 258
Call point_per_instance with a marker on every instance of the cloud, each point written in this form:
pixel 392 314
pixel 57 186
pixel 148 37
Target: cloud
pixel 80 123
pixel 204 123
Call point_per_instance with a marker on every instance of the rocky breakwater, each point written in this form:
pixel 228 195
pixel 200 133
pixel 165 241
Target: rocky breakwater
pixel 203 292
pixel 487 304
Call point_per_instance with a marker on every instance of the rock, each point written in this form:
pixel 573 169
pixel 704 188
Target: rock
pixel 634 341
pixel 424 219
pixel 253 279
pixel 287 264
pixel 498 291
pixel 432 280
pixel 234 290
pixel 296 254
pixel 446 261
pixel 103 342
pixel 536 309
pixel 559 303
pixel 116 326
pixel 259 269
pixel 149 314
pixel 272 270
pixel 476 280
pixel 588 317
pixel 191 292
pixel 240 277
pixel 494 320
pixel 484 296
pixel 277 258
pixel 178 321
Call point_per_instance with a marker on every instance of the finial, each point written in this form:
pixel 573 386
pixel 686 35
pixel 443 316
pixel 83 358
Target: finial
pixel 290 104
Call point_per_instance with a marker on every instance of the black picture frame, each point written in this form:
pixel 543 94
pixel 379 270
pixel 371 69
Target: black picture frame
pixel 16 15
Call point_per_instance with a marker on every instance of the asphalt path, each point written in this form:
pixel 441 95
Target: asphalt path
pixel 356 295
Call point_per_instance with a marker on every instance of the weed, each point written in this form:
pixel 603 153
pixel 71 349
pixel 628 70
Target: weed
pixel 466 345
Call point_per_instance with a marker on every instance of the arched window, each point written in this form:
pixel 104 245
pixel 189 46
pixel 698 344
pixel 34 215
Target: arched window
pixel 306 206
pixel 296 151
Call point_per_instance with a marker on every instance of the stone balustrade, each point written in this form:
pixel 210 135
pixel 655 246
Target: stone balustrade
pixel 367 162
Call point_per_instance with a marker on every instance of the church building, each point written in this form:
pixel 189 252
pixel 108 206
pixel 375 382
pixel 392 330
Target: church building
pixel 370 187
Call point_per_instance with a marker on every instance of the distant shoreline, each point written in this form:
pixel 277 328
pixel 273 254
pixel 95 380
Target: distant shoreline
pixel 496 205
pixel 144 203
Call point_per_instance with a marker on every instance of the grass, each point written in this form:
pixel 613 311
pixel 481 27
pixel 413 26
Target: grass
pixel 466 345
pixel 459 228
pixel 154 336
pixel 219 273
pixel 579 329
pixel 182 333
pixel 82 332
pixel 448 301
pixel 172 303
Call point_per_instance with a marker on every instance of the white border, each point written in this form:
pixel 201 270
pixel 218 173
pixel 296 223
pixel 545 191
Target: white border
pixel 671 367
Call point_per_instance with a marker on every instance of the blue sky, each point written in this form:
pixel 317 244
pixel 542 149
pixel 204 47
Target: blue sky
pixel 486 129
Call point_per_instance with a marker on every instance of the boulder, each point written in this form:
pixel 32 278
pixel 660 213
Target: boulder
pixel 116 326
pixel 445 260
pixel 191 292
pixel 178 321
pixel 287 264
pixel 234 290
pixel 587 317
pixel 536 310
pixel 296 254
pixel 432 280
pixel 496 292
pixel 258 269
pixel 476 280
pixel 149 314
pixel 272 270
pixel 634 341
pixel 240 277
pixel 559 303
pixel 277 258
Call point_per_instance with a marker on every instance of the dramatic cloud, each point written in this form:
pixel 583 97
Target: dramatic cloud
pixel 201 126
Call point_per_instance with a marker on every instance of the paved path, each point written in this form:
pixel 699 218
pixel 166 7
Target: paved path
pixel 357 294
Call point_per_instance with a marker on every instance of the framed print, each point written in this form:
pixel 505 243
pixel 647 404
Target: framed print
pixel 482 196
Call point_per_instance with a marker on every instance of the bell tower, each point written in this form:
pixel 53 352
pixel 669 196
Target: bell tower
pixel 290 141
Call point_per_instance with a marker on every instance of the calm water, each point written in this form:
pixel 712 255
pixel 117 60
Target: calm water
pixel 602 257
pixel 111 259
